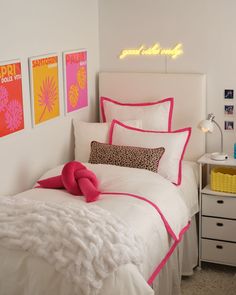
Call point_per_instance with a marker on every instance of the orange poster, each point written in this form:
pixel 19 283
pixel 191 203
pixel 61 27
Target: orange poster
pixel 44 88
pixel 11 98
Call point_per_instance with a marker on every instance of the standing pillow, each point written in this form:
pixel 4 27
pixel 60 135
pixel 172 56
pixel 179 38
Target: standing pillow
pixel 126 156
pixel 86 132
pixel 174 143
pixel 154 115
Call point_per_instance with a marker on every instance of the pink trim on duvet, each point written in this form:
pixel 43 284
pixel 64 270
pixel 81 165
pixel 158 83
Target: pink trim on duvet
pixel 169 253
pixel 167 226
pixel 170 99
pixel 188 129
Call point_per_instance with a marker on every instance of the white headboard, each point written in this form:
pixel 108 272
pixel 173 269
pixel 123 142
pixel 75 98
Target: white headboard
pixel 188 90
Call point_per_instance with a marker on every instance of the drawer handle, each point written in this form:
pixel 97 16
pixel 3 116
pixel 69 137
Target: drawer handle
pixel 220 201
pixel 219 224
pixel 219 247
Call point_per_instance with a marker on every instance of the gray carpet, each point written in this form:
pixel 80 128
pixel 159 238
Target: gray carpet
pixel 212 279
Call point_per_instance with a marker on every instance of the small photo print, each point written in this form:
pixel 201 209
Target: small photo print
pixel 229 109
pixel 229 125
pixel 229 93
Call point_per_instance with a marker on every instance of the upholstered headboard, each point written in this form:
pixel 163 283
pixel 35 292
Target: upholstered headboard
pixel 188 90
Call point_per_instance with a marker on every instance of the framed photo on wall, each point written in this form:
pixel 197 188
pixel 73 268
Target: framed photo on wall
pixel 229 94
pixel 229 109
pixel 75 79
pixel 11 98
pixel 44 85
pixel 229 125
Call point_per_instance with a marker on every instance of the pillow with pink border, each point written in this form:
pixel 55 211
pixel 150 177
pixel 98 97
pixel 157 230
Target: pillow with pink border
pixel 174 143
pixel 86 132
pixel 156 115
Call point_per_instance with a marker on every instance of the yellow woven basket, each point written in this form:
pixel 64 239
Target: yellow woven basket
pixel 223 179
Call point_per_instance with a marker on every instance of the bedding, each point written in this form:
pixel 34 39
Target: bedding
pixel 174 142
pixel 147 203
pixel 86 132
pixel 126 156
pixel 155 115
pixel 63 236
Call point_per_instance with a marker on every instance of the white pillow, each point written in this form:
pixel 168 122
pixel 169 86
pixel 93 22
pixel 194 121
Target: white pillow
pixel 154 115
pixel 174 142
pixel 86 132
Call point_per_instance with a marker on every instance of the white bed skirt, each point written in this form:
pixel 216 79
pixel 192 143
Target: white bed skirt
pixel 181 263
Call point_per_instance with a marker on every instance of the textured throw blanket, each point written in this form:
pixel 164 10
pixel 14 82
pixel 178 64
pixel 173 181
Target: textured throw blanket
pixel 85 243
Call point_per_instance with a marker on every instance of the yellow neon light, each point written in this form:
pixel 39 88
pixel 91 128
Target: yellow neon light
pixel 156 49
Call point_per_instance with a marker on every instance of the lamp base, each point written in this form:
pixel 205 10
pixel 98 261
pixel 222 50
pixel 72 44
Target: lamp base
pixel 219 156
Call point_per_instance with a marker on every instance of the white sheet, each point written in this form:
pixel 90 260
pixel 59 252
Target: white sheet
pixel 138 215
pixel 189 186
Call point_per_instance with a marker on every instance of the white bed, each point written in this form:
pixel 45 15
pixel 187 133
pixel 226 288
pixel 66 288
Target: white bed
pixel 24 273
pixel 189 92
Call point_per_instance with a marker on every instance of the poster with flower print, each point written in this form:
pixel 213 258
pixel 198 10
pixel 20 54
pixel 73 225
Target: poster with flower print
pixel 44 88
pixel 11 98
pixel 75 77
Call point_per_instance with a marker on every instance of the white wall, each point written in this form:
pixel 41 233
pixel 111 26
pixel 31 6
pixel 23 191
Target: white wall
pixel 30 28
pixel 205 27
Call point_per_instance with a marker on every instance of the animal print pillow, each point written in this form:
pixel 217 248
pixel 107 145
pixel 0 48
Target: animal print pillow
pixel 127 156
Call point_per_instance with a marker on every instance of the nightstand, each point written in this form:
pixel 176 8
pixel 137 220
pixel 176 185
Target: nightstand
pixel 217 217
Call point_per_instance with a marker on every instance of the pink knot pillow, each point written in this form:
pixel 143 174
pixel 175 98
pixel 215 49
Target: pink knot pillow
pixel 76 179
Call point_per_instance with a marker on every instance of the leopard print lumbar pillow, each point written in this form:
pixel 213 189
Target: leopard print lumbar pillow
pixel 127 156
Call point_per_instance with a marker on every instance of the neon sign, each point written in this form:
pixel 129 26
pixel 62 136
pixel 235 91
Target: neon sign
pixel 156 49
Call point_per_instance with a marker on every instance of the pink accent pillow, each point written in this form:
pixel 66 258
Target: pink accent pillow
pixel 174 143
pixel 154 115
pixel 76 179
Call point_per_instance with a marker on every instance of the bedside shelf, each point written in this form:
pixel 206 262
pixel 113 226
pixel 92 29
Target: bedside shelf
pixel 207 190
pixel 217 217
pixel 206 159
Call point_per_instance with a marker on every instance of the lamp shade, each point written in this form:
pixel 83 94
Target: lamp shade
pixel 206 126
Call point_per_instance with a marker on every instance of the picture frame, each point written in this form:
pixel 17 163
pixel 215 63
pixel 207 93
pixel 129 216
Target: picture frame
pixel 75 80
pixel 229 94
pixel 229 125
pixel 44 88
pixel 229 109
pixel 11 97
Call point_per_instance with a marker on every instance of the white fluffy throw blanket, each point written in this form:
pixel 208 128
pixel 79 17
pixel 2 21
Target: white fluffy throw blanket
pixel 85 243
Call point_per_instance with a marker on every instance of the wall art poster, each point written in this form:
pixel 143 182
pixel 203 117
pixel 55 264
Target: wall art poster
pixel 11 98
pixel 44 88
pixel 75 76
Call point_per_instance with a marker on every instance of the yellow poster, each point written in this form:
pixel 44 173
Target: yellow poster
pixel 44 88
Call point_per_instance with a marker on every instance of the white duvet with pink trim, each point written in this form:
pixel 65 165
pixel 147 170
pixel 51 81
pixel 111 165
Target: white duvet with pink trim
pixel 149 205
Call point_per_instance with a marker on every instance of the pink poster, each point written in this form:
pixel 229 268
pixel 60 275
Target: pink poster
pixel 75 73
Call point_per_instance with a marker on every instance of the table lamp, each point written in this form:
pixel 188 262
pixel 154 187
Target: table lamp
pixel 208 126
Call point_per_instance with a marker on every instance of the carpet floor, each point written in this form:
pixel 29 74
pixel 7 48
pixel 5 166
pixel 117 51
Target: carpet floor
pixel 212 279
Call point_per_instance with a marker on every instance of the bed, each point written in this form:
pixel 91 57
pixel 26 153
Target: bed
pixel 158 243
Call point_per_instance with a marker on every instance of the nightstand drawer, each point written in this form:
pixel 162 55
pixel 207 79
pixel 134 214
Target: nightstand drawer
pixel 219 206
pixel 217 251
pixel 219 229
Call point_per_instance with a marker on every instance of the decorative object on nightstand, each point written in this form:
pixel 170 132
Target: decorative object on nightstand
pixel 223 179
pixel 208 126
pixel 217 215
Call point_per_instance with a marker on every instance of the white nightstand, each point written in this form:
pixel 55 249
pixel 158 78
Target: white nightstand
pixel 217 218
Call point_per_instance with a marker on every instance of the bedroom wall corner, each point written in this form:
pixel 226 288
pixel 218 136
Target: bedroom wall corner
pixel 32 28
pixel 204 27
